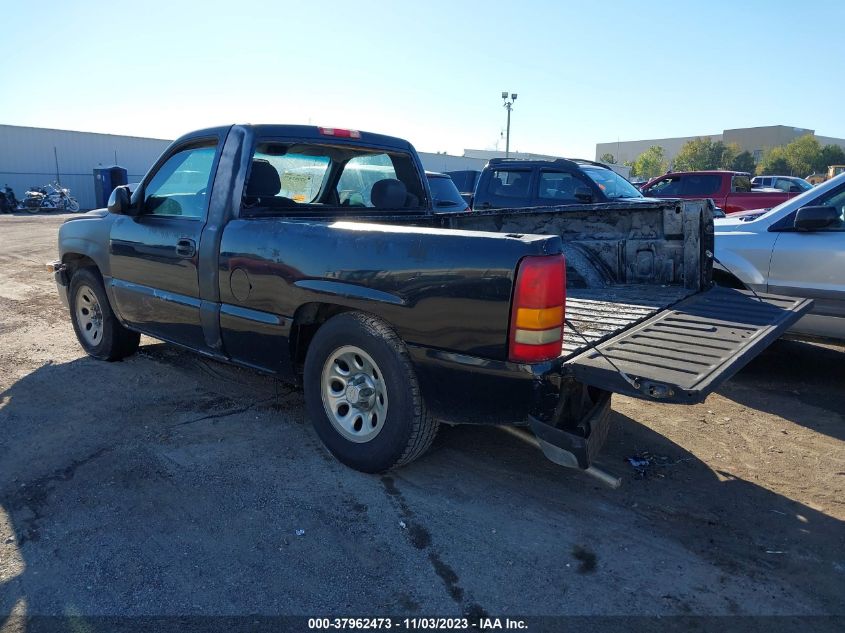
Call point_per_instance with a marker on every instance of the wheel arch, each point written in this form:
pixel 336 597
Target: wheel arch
pixel 75 261
pixel 307 319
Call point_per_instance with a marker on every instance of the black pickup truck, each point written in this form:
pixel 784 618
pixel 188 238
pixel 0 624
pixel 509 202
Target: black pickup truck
pixel 315 254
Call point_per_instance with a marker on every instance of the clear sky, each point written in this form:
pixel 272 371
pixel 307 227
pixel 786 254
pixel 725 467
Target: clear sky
pixel 431 71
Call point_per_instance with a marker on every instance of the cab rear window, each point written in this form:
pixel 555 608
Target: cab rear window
pixel 296 177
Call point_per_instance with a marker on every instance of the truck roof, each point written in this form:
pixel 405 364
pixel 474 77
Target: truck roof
pixel 308 133
pixel 533 162
pixel 706 172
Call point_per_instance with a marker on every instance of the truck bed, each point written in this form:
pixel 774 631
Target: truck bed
pixel 600 313
pixel 625 261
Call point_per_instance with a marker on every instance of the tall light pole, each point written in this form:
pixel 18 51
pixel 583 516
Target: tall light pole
pixel 508 107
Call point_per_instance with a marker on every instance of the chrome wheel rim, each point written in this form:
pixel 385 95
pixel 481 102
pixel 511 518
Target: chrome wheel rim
pixel 89 315
pixel 354 394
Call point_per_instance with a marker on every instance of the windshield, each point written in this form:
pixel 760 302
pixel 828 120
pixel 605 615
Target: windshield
pixel 444 192
pixel 612 184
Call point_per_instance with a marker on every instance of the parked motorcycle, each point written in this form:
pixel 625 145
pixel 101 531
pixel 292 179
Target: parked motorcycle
pixel 60 198
pixel 8 201
pixel 33 199
pixel 56 197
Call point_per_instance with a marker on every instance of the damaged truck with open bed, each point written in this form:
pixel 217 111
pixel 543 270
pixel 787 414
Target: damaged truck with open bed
pixel 316 254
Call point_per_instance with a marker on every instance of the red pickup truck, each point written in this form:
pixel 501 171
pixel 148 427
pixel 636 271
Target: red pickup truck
pixel 730 190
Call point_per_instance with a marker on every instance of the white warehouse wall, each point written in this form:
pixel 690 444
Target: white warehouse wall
pixel 447 162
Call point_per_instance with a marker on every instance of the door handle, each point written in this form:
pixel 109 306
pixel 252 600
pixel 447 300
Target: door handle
pixel 484 205
pixel 186 247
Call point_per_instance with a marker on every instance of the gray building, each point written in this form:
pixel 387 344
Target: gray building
pixel 448 162
pixel 36 156
pixel 753 139
pixel 487 154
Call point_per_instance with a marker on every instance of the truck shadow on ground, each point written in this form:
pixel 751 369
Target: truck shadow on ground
pixel 112 494
pixel 737 525
pixel 794 379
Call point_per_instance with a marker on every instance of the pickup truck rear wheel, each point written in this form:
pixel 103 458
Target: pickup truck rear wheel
pixel 362 394
pixel 97 328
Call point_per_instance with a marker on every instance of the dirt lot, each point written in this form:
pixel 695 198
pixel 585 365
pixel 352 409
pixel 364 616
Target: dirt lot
pixel 169 484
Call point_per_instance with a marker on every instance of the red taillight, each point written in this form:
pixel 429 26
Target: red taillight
pixel 339 133
pixel 537 313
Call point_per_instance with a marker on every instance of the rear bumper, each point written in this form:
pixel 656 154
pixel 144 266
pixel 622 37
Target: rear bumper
pixel 464 389
pixel 571 449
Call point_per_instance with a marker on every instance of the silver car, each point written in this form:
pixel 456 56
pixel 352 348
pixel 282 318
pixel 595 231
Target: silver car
pixel 797 249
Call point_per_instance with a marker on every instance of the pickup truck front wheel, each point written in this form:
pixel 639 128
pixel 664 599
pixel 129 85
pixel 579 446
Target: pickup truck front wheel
pixel 96 326
pixel 362 394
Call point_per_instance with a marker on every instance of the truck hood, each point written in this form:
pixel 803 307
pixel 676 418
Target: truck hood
pixel 95 213
pixel 724 225
pixel 737 221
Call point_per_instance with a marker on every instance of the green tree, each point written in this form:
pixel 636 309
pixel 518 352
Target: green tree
pixel 608 158
pixel 744 161
pixel 774 161
pixel 803 155
pixel 725 155
pixel 650 163
pixel 830 155
pixel 705 153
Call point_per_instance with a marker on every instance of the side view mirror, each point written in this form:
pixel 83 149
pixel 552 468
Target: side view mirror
pixel 815 218
pixel 583 194
pixel 119 202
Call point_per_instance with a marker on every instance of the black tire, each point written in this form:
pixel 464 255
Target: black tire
pixel 407 430
pixel 112 341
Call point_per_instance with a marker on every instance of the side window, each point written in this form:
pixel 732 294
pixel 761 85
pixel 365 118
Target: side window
pixel 556 185
pixel 741 184
pixel 359 178
pixel 789 186
pixel 702 185
pixel 510 183
pixel 670 186
pixel 180 186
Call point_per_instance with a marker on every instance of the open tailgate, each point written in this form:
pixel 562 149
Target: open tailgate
pixel 685 352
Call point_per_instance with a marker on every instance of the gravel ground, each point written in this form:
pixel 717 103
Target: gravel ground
pixel 169 484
